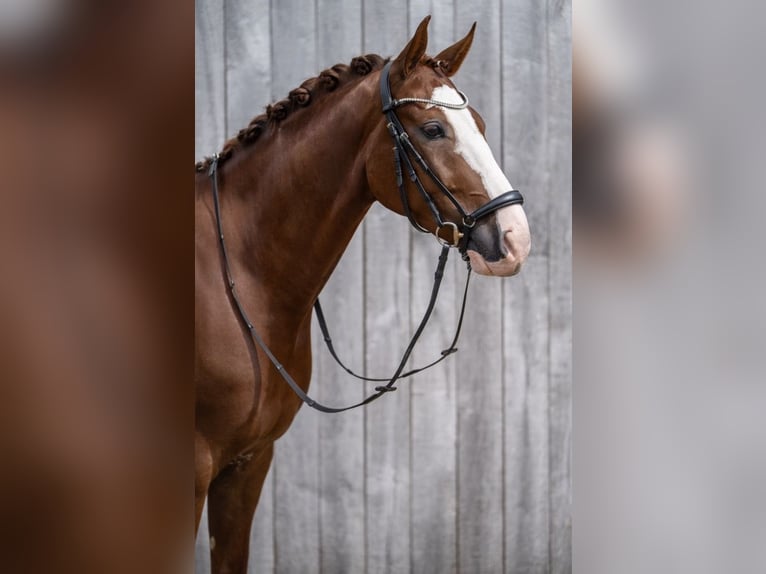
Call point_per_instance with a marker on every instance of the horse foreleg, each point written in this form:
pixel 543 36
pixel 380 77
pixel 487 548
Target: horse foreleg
pixel 232 498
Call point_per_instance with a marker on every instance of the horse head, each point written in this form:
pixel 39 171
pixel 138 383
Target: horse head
pixel 445 145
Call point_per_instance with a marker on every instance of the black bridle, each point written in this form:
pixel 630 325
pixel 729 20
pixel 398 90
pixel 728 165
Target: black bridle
pixel 403 149
pixel 405 152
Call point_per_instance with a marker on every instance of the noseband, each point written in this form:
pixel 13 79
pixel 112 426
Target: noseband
pixel 405 152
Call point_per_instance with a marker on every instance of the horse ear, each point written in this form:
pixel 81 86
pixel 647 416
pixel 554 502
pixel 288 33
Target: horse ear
pixel 452 57
pixel 414 49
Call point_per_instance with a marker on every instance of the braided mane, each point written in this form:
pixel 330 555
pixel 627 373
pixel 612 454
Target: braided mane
pixel 300 97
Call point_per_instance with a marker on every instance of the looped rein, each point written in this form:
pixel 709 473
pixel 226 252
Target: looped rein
pixel 258 340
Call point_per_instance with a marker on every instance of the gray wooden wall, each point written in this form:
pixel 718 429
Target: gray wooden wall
pixel 465 468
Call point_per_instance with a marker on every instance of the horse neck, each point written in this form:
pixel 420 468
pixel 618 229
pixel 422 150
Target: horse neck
pixel 296 197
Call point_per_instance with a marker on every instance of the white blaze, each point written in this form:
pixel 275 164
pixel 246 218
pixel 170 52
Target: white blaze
pixel 474 149
pixel 471 145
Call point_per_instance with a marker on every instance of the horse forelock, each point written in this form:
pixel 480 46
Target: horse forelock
pixel 301 97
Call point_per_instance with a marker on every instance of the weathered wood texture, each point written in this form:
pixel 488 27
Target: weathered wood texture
pixel 466 468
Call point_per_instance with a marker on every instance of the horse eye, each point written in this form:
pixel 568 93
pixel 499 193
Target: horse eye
pixel 432 130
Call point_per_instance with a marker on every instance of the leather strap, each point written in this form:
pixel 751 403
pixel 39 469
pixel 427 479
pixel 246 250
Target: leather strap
pixel 258 340
pixel 503 200
pixel 404 150
pixel 444 354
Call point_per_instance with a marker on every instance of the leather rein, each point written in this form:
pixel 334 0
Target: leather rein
pixel 404 153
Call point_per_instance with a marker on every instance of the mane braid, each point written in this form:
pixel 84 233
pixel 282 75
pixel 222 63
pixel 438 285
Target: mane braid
pixel 300 97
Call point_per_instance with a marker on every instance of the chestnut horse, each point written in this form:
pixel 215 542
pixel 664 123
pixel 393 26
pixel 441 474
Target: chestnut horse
pixel 294 186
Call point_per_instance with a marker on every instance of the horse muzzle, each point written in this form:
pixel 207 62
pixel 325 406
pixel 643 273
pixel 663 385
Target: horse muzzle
pixel 500 244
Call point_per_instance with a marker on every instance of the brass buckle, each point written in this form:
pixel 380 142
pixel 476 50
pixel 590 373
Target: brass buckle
pixel 456 235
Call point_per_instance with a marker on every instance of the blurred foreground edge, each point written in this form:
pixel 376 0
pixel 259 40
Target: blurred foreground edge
pixel 96 296
pixel 669 428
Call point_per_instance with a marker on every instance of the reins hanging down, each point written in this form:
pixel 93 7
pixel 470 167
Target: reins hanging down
pixel 404 151
pixel 379 391
pixel 444 354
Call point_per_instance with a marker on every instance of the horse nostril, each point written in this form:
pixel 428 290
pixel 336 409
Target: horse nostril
pixel 486 239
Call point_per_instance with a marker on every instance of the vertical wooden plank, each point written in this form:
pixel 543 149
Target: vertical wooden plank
pixel 434 413
pixel 293 48
pixel 209 83
pixel 293 45
pixel 525 108
pixel 525 318
pixel 209 134
pixel 387 288
pixel 527 504
pixel 480 447
pixel 248 61
pixel 339 31
pixel 248 90
pixel 341 437
pixel 560 280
